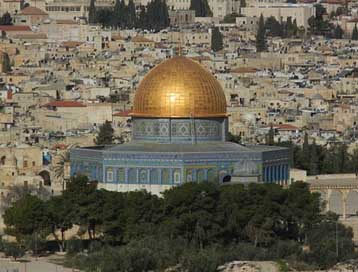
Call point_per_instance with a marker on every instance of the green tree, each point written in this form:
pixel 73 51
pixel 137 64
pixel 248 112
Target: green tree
pixel 338 32
pixel 273 27
pixel 234 138
pixel 142 21
pixel 131 14
pixel 230 18
pixel 104 17
pixel 105 134
pixel 330 242
pixel 355 33
pixel 6 65
pixel 305 154
pixel 216 40
pixel 6 19
pixel 14 250
pixel 26 216
pixel 261 36
pixel 314 160
pixel 92 17
pixel 201 8
pixel 60 218
pixel 270 137
pixel 157 16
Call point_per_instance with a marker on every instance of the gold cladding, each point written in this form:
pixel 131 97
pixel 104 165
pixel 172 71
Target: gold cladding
pixel 179 87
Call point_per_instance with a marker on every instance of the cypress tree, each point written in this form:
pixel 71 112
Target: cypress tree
pixel 313 167
pixel 6 66
pixel 355 33
pixel 270 140
pixel 305 152
pixel 116 13
pixel 338 32
pixel 201 8
pixel 142 21
pixel 92 13
pixel 6 19
pixel 131 14
pixel 261 36
pixel 216 39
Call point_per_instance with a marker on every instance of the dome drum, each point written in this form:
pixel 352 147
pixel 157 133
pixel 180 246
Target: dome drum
pixel 179 130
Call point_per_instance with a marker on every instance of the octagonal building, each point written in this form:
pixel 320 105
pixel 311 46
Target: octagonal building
pixel 179 135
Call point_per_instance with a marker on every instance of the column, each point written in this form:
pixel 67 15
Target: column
pixel 126 175
pixel 137 174
pixel 206 174
pixel 160 175
pixel 269 174
pixel 171 181
pixel 279 176
pixel 148 176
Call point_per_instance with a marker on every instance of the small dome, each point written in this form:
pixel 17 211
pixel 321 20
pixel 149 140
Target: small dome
pixel 179 88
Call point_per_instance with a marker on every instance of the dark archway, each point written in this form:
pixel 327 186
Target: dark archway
pixel 46 177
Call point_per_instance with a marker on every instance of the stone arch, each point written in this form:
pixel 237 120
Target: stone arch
pixel 46 177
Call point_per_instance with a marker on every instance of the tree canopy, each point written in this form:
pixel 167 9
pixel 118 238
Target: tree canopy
pixel 105 134
pixel 197 225
pixel 261 36
pixel 216 40
pixel 201 8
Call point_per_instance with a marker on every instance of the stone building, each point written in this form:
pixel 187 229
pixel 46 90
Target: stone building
pixel 180 127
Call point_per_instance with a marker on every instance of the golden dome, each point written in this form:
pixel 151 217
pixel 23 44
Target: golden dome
pixel 179 87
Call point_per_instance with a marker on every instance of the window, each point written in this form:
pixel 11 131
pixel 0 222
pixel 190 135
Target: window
pixel 109 175
pixel 25 163
pixel 176 176
pixel 33 163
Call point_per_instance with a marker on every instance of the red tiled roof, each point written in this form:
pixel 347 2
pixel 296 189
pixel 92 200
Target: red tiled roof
pixel 71 44
pixel 141 39
pixel 32 11
pixel 64 104
pixel 244 70
pixel 65 22
pixel 125 113
pixel 30 36
pixel 14 28
pixel 286 127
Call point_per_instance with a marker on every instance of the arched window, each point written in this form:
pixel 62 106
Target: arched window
pixel 110 175
pixel 212 175
pixel 189 175
pixel 121 175
pixel 165 176
pixel 201 175
pixel 143 176
pixel 132 176
pixel 154 176
pixel 176 176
